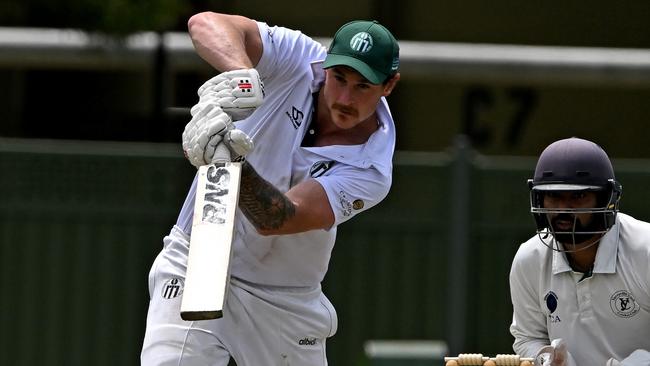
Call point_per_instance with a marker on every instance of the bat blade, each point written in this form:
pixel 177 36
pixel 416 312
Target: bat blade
pixel 208 264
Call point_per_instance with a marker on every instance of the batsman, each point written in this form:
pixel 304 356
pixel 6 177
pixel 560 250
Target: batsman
pixel 315 137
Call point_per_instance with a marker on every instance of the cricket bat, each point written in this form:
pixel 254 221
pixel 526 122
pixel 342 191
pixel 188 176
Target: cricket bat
pixel 208 264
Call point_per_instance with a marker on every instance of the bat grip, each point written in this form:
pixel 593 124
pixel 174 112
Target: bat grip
pixel 221 154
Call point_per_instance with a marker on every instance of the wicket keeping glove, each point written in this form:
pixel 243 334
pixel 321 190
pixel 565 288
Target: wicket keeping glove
pixel 638 357
pixel 554 355
pixel 237 92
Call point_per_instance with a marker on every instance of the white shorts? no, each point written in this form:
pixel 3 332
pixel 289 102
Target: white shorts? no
pixel 261 325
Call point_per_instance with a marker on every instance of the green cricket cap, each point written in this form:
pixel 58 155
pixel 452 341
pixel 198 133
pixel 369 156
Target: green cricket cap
pixel 367 47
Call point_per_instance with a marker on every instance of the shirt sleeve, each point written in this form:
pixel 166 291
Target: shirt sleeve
pixel 352 190
pixel 286 52
pixel 528 321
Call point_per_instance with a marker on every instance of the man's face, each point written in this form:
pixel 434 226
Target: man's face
pixel 565 224
pixel 350 97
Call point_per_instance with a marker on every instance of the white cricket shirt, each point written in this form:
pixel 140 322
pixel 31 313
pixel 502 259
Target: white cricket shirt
pixel 603 316
pixel 355 177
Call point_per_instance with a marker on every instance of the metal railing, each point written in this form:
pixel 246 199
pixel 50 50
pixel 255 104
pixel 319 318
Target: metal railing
pixel 66 48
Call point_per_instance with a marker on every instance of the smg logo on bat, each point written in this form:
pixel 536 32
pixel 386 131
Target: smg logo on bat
pixel 214 208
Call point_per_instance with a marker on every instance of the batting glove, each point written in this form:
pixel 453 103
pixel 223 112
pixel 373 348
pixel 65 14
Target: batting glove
pixel 233 146
pixel 554 355
pixel 237 92
pixel 239 144
pixel 203 133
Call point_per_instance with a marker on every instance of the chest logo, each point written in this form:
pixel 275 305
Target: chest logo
pixel 319 168
pixel 551 305
pixel 551 301
pixel 623 304
pixel 295 116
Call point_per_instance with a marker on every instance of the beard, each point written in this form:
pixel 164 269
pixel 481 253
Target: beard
pixel 581 232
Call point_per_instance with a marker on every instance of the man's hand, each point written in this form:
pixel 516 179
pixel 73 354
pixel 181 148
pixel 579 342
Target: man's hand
pixel 239 144
pixel 229 96
pixel 554 355
pixel 209 128
pixel 203 133
pixel 237 92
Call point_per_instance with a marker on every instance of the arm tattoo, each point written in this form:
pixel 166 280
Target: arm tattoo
pixel 264 205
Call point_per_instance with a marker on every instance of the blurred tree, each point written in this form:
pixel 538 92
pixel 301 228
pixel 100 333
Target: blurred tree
pixel 115 17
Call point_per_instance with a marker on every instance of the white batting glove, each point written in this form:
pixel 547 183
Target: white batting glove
pixel 554 355
pixel 237 92
pixel 238 143
pixel 203 133
pixel 234 146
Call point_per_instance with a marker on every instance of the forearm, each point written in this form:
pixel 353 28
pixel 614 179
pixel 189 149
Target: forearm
pixel 224 41
pixel 263 204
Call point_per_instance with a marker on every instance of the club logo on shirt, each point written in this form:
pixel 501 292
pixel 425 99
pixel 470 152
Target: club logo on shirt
pixel 172 288
pixel 357 204
pixel 551 305
pixel 623 304
pixel 320 167
pixel 551 301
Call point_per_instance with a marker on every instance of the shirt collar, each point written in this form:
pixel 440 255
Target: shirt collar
pixel 318 75
pixel 608 250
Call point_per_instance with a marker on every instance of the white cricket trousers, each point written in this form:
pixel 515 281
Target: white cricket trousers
pixel 261 325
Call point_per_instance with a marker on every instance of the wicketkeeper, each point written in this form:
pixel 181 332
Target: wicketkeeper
pixel 580 288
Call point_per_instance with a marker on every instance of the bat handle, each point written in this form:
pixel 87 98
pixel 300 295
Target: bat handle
pixel 221 154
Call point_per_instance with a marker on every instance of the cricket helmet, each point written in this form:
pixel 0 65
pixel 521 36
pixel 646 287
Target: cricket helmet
pixel 571 165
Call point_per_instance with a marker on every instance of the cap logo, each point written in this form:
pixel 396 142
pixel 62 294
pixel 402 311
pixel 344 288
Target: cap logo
pixel 395 64
pixel 361 42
